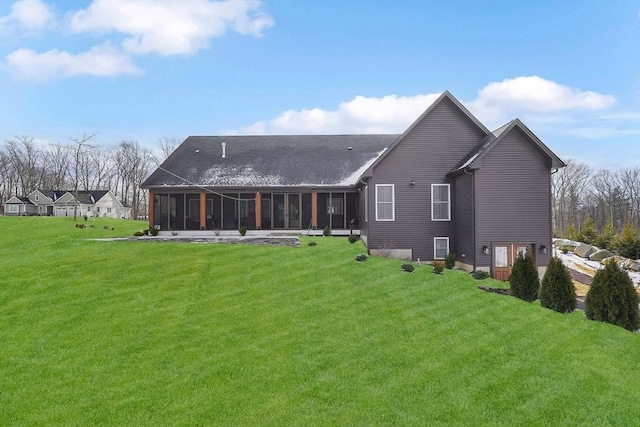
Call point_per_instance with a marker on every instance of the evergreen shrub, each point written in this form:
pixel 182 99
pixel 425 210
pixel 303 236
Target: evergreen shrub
pixel 556 290
pixel 450 261
pixel 524 281
pixel 480 275
pixel 361 257
pixel 407 267
pixel 353 238
pixel 326 231
pixel 588 232
pixel 628 243
pixel 612 298
pixel 138 233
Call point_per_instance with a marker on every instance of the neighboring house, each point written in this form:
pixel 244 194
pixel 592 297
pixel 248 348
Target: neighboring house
pixel 446 185
pixel 95 203
pixel 19 206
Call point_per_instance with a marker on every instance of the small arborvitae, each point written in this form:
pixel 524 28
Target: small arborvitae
pixel 524 281
pixel 557 291
pixel 450 261
pixel 612 298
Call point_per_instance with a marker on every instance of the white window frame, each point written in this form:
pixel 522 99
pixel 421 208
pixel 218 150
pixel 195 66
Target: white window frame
pixel 435 251
pixel 434 201
pixel 14 209
pixel 366 203
pixel 393 202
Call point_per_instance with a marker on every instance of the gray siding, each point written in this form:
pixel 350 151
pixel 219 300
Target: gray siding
pixel 425 155
pixel 464 217
pixel 513 201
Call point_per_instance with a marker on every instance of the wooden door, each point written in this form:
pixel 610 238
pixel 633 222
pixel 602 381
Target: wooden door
pixel 504 255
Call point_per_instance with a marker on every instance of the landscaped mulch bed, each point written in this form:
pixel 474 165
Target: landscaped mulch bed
pixel 500 291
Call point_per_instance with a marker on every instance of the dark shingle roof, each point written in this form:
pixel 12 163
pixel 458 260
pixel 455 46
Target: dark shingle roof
pixel 23 199
pixel 270 161
pixel 481 147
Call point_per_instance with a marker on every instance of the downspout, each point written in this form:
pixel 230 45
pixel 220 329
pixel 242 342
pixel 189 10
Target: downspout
pixel 473 214
pixel 365 188
pixel 551 207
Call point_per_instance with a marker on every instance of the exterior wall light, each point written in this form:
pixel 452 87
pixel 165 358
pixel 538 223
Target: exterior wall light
pixel 485 250
pixel 413 183
pixel 543 249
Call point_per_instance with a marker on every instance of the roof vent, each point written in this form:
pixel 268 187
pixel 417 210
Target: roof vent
pixel 197 151
pixel 349 148
pixel 224 149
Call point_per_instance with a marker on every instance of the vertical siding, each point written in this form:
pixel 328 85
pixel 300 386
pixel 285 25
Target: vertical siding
pixel 464 219
pixel 513 196
pixel 425 156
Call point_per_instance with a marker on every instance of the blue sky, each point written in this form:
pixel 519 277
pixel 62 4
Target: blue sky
pixel 144 70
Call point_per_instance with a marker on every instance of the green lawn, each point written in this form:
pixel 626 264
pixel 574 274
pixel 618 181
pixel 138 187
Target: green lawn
pixel 141 333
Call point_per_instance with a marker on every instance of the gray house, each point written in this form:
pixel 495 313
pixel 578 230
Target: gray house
pixel 446 185
pixel 92 203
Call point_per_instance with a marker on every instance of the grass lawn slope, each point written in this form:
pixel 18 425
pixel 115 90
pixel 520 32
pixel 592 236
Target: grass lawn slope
pixel 149 333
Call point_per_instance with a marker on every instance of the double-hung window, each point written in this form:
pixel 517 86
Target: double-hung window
pixel 385 205
pixel 440 247
pixel 440 202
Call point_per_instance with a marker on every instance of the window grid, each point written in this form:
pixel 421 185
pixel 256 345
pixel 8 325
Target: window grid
pixel 440 247
pixel 440 202
pixel 385 204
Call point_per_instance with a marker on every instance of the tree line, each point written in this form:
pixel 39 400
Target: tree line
pixel 608 199
pixel 81 165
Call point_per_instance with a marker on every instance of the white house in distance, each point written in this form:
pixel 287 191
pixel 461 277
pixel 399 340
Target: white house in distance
pixel 93 203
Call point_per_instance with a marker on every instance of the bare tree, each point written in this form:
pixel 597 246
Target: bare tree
pixel 58 165
pixel 569 186
pixel 630 182
pixel 80 146
pixel 166 147
pixel 133 163
pixel 26 160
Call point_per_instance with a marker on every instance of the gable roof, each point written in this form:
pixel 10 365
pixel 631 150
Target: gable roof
pixel 89 197
pixel 474 158
pixel 445 95
pixel 269 161
pixel 16 200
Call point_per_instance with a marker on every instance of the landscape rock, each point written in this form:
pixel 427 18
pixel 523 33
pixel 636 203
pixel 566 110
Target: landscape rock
pixel 626 263
pixel 583 250
pixel 565 245
pixel 600 254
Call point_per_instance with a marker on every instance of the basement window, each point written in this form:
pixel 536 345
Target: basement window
pixel 440 247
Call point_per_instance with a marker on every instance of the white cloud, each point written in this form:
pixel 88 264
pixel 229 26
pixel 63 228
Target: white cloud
pixel 389 114
pixel 29 14
pixel 498 101
pixel 102 60
pixel 549 107
pixel 171 27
